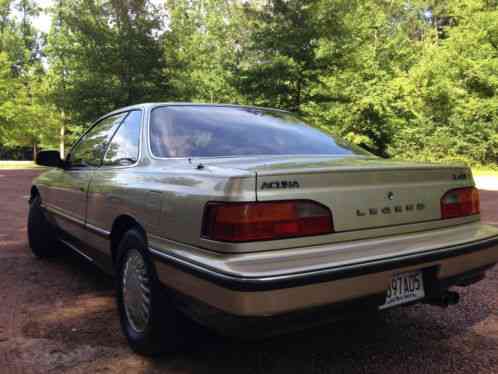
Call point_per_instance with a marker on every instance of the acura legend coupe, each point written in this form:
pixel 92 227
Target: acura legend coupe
pixel 249 221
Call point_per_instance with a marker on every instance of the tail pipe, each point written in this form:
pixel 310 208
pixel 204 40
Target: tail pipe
pixel 446 299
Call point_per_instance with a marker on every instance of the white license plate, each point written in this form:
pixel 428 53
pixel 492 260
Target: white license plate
pixel 404 288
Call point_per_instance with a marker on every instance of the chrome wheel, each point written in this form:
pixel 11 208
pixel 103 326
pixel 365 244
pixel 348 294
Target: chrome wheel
pixel 136 291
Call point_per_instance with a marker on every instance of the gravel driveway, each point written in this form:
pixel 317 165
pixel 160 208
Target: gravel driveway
pixel 60 316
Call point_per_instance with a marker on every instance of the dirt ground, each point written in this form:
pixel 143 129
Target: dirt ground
pixel 59 316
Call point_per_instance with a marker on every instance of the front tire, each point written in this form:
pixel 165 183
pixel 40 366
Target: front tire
pixel 42 236
pixel 148 318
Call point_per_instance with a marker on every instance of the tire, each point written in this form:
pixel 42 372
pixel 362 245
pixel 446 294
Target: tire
pixel 158 327
pixel 42 235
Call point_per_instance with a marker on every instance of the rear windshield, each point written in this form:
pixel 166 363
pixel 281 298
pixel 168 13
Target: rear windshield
pixel 210 131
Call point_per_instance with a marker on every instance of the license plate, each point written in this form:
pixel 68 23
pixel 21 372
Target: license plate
pixel 404 288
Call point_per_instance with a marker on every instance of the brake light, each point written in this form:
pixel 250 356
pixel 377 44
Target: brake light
pixel 460 202
pixel 244 222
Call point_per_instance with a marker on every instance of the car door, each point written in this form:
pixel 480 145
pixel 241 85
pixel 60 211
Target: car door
pixel 112 190
pixel 67 196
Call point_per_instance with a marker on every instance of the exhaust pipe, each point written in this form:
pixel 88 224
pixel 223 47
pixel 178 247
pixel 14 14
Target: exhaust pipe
pixel 446 299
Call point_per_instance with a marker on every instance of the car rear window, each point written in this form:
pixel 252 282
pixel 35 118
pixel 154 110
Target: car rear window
pixel 211 131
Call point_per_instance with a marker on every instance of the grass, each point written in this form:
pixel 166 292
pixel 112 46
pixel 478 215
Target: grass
pixel 18 165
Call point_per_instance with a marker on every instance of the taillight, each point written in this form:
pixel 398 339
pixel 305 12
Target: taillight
pixel 460 202
pixel 243 222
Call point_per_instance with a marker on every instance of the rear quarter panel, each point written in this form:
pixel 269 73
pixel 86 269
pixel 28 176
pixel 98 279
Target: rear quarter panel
pixel 167 201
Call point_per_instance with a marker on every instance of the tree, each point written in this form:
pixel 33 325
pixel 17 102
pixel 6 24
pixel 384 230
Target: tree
pixel 202 46
pixel 381 43
pixel 453 91
pixel 104 55
pixel 413 79
pixel 283 61
pixel 24 112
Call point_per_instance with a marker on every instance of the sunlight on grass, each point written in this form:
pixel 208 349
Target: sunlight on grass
pixel 19 165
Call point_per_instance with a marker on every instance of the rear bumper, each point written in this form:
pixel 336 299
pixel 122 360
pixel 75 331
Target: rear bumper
pixel 270 293
pixel 257 327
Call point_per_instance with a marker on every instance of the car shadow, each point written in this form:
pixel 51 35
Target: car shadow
pixel 393 341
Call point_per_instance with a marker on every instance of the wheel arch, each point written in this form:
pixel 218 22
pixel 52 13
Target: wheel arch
pixel 33 193
pixel 120 226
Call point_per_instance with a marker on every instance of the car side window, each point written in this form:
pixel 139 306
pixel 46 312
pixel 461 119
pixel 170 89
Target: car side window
pixel 89 151
pixel 124 147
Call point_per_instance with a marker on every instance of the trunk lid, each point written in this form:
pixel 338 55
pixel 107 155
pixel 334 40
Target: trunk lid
pixel 361 192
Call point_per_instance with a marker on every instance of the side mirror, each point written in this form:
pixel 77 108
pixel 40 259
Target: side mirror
pixel 49 158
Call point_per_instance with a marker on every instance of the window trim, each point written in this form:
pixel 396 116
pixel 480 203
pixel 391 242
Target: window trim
pixel 102 166
pixel 154 157
pixel 147 130
pixel 78 142
pixel 94 124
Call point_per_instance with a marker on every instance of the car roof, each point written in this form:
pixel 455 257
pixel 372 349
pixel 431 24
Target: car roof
pixel 159 104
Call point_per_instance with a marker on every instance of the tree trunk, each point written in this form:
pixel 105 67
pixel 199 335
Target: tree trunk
pixel 35 151
pixel 62 136
pixel 297 98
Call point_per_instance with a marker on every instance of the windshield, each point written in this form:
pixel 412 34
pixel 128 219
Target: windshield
pixel 211 131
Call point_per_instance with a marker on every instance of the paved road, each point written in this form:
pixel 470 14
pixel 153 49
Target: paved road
pixel 59 316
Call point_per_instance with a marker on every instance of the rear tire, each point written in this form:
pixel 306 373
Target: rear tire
pixel 42 236
pixel 149 320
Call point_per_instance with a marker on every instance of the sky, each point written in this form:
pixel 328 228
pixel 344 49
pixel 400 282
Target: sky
pixel 42 22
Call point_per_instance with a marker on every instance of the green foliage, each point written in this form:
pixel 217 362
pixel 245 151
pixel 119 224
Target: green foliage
pixel 27 118
pixel 104 55
pixel 411 79
pixel 292 45
pixel 366 89
pixel 451 92
pixel 201 48
pixel 420 82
